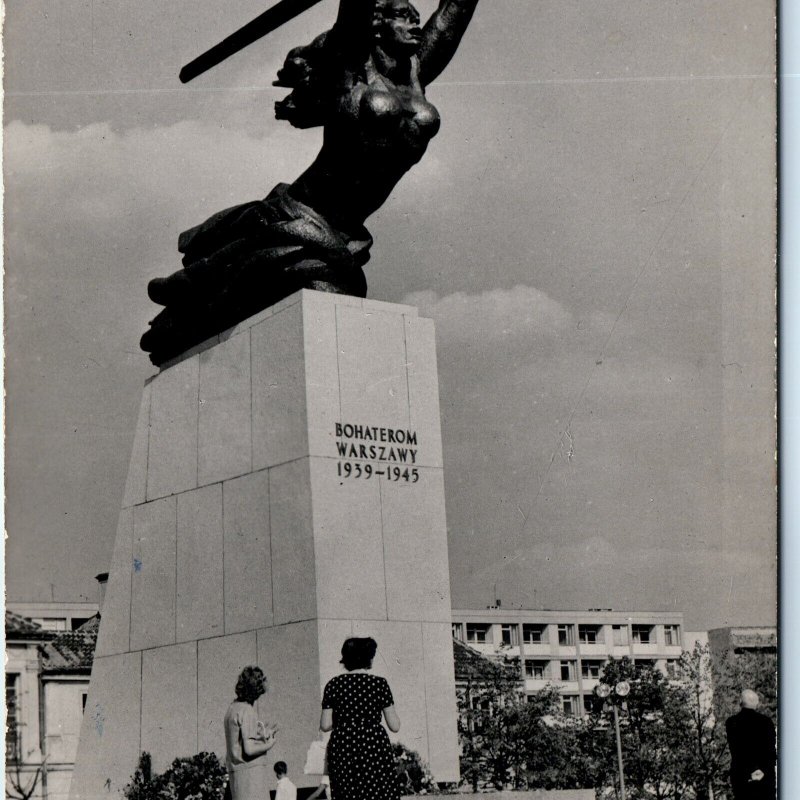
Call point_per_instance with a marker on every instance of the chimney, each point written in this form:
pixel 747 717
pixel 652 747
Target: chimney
pixel 102 580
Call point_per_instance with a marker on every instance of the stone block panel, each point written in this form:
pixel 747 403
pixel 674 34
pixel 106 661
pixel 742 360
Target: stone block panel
pixel 415 547
pixel 322 372
pixel 289 656
pixel 219 662
pixel 280 431
pixel 440 701
pixel 348 544
pixel 247 545
pixel 172 450
pixel 153 584
pixel 199 605
pixel 136 483
pixel 169 703
pixel 373 384
pixel 110 745
pixel 423 390
pixel 114 634
pixel 400 660
pixel 294 596
pixel 225 432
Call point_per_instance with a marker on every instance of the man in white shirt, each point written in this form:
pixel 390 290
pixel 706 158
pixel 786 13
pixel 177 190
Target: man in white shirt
pixel 286 790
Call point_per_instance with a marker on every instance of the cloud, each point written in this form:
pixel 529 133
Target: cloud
pixel 496 314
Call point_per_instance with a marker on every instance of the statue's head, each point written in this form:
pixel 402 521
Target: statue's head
pixel 306 71
pixel 396 27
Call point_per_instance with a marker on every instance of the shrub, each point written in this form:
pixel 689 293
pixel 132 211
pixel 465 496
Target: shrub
pixel 413 774
pixel 200 777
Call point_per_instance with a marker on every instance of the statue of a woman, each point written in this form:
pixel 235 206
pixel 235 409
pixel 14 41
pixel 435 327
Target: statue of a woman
pixel 364 82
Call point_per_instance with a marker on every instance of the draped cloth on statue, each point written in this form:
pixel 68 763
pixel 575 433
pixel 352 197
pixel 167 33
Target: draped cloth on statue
pixel 244 259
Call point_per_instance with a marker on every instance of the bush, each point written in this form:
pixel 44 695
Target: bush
pixel 413 774
pixel 200 777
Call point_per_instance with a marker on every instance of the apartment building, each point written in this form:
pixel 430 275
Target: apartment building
pixel 568 649
pixel 54 616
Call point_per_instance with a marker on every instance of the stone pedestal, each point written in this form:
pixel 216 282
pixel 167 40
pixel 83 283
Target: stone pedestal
pixel 285 492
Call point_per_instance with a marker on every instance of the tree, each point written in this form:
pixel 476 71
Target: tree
pixel 508 739
pixel 486 690
pixel 20 783
pixel 704 749
pixel 489 694
pixel 755 669
pixel 650 719
pixel 673 744
pixel 554 746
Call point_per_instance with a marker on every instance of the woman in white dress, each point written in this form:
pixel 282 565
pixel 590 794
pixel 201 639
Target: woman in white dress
pixel 247 740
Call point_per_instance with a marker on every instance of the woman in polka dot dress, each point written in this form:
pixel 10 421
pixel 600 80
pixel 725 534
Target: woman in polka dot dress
pixel 360 763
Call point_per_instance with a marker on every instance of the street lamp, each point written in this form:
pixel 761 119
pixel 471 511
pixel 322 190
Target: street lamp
pixel 620 691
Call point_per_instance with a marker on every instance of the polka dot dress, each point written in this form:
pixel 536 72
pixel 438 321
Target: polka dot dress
pixel 360 763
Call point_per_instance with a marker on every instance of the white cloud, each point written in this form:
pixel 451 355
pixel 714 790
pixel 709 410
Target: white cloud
pixel 522 311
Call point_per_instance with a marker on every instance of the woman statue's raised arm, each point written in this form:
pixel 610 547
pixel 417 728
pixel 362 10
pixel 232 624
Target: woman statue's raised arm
pixel 442 35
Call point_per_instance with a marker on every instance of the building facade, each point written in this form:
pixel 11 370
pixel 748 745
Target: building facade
pixel 47 680
pixel 55 616
pixel 568 649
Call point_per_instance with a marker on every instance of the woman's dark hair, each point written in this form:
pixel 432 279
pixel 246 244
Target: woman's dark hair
pixel 252 683
pixel 307 72
pixel 358 653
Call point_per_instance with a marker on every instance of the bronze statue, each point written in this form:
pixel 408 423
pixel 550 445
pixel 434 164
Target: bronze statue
pixel 364 82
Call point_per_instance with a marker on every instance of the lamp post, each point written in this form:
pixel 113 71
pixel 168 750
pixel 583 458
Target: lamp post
pixel 620 691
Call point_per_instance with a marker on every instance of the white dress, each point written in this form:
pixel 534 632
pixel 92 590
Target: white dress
pixel 248 776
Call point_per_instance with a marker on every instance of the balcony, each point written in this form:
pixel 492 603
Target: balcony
pixel 537 684
pixel 599 649
pixel 538 649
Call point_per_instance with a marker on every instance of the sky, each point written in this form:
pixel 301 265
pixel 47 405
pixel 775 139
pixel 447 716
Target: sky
pixel 593 232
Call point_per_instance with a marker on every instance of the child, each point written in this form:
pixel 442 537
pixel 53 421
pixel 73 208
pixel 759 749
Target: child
pixel 286 790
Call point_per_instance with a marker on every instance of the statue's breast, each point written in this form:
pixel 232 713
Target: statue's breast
pixel 386 113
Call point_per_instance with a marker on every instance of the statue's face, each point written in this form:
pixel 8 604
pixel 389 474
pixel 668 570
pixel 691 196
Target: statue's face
pixel 397 27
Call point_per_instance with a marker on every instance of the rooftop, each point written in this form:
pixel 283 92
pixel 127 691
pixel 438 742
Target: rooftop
pixel 71 651
pixel 22 628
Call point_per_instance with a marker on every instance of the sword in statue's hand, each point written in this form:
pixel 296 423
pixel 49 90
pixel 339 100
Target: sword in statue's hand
pixel 263 24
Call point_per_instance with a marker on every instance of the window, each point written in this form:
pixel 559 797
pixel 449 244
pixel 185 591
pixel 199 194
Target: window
pixel 569 704
pixel 458 631
pixel 588 702
pixel 567 670
pixel 673 668
pixel 672 635
pixel 642 634
pixel 643 663
pixel 12 717
pixel 52 623
pixel 590 634
pixel 478 633
pixel 538 670
pixel 534 634
pixel 510 635
pixel 76 622
pixel 620 634
pixel 591 669
pixel 566 634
